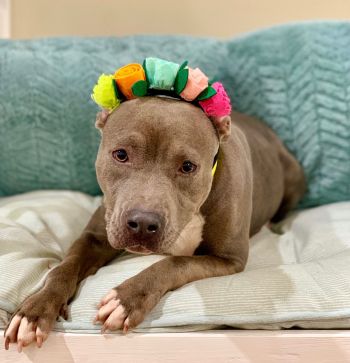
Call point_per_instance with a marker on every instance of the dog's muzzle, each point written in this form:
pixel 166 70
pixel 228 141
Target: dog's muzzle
pixel 143 230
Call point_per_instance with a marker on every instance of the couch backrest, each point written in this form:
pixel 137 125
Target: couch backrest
pixel 296 78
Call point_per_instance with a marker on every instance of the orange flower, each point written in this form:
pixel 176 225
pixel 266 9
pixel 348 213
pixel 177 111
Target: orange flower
pixel 126 77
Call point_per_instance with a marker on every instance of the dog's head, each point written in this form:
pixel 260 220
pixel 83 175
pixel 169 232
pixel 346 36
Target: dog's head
pixel 154 167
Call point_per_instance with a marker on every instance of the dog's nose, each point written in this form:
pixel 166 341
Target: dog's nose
pixel 144 224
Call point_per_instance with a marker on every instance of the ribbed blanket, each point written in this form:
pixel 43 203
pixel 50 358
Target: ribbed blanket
pixel 298 275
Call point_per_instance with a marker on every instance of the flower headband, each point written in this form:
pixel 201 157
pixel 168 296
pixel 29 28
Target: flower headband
pixel 158 76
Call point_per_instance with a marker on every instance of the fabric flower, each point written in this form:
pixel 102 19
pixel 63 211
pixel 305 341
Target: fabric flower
pixel 127 76
pixel 104 93
pixel 219 104
pixel 196 83
pixel 161 74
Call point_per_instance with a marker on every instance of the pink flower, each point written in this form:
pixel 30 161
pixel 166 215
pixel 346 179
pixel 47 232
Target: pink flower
pixel 196 83
pixel 219 104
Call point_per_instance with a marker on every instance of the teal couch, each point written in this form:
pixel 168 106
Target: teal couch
pixel 295 77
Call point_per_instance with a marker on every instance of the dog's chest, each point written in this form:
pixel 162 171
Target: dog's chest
pixel 189 239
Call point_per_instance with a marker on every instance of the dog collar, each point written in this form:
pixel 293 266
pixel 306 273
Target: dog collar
pixel 213 171
pixel 160 77
pixel 215 164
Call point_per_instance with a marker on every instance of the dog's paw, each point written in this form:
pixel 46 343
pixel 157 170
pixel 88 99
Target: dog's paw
pixel 33 321
pixel 112 313
pixel 125 307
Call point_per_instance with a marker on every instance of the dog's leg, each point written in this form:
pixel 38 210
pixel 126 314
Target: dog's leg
pixel 127 305
pixel 36 316
pixel 294 185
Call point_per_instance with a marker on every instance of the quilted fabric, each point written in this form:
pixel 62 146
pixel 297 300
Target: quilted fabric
pixel 296 78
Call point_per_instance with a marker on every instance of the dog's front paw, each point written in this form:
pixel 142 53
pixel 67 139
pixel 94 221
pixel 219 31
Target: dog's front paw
pixel 126 306
pixel 33 320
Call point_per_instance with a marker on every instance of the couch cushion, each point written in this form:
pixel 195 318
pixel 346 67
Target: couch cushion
pixel 48 138
pixel 296 276
pixel 297 79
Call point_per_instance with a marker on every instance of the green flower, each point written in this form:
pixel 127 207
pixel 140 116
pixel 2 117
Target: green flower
pixel 160 73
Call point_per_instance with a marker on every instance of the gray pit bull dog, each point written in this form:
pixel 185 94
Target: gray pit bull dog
pixel 154 167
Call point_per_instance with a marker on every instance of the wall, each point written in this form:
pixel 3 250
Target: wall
pixel 221 18
pixel 5 18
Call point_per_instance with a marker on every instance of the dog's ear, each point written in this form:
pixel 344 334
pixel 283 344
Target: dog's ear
pixel 101 119
pixel 223 125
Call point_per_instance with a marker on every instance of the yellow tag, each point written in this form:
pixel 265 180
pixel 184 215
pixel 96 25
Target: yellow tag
pixel 214 168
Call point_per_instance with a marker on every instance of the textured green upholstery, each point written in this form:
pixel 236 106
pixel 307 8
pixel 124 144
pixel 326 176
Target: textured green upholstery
pixel 296 78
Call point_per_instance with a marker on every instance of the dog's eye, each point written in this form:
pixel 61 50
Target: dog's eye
pixel 120 155
pixel 188 167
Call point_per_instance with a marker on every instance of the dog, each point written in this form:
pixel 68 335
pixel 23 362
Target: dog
pixel 175 182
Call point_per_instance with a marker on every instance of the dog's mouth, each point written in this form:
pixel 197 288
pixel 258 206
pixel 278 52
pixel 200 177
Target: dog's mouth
pixel 139 250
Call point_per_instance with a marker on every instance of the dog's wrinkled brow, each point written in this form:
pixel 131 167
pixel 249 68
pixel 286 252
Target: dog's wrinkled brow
pixel 134 139
pixel 188 152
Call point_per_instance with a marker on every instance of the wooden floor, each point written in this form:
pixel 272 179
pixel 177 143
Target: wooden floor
pixel 294 346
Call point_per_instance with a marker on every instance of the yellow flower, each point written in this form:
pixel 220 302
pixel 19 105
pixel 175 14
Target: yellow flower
pixel 104 92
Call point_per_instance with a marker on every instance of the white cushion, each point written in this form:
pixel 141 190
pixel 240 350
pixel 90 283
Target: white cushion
pixel 299 276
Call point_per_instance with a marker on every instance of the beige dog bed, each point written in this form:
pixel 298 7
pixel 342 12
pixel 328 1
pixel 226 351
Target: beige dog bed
pixel 299 276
